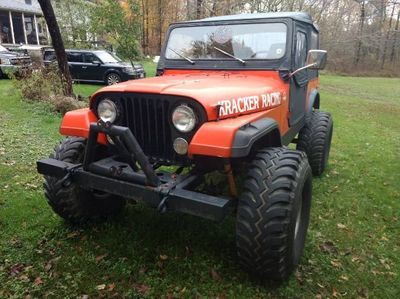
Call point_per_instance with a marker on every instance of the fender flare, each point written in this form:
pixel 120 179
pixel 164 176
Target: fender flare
pixel 313 101
pixel 77 123
pixel 264 131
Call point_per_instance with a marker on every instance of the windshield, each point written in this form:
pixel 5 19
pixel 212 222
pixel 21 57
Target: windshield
pixel 244 41
pixel 107 57
pixel 2 49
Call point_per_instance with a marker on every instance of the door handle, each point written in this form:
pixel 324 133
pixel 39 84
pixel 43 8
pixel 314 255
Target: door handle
pixel 84 67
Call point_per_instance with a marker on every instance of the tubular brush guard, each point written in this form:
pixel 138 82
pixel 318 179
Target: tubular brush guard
pixel 159 189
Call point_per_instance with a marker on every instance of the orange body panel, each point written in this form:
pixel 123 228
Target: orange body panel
pixel 242 97
pixel 77 123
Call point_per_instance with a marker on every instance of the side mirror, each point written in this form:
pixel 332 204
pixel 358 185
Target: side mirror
pixel 97 62
pixel 316 59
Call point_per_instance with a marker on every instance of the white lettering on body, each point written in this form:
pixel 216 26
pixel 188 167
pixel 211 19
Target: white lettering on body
pixel 249 103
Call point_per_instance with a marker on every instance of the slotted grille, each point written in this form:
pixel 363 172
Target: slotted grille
pixel 147 117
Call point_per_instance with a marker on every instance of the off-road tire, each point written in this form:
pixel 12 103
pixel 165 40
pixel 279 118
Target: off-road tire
pixel 276 196
pixel 71 202
pixel 315 140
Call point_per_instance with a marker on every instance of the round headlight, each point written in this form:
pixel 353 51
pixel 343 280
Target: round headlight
pixel 107 111
pixel 184 118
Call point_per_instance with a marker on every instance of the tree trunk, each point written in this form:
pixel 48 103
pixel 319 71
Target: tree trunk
pixel 160 25
pixel 58 45
pixel 360 37
pixel 143 27
pixel 396 32
pixel 199 4
pixel 387 38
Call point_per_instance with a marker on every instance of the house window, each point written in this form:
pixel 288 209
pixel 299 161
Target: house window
pixel 18 29
pixel 30 29
pixel 5 28
pixel 29 2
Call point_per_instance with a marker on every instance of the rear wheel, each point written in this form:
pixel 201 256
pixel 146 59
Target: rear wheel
pixel 113 78
pixel 72 202
pixel 315 140
pixel 273 213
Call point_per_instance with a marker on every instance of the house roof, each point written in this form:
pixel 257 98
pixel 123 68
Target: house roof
pixel 20 6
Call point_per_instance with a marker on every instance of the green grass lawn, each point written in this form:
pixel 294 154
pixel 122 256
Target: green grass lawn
pixel 353 245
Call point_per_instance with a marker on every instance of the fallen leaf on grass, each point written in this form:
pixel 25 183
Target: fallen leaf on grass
pixel 336 263
pixel 100 257
pixel 215 275
pixel 38 281
pixel 341 226
pixel 334 293
pixel 344 277
pixel 141 288
pixel 72 235
pixel 163 257
pixel 101 287
pixel 111 287
pixel 328 247
pixel 16 269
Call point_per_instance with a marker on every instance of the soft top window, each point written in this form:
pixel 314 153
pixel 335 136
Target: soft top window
pixel 245 41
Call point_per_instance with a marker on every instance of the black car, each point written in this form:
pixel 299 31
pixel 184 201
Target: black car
pixel 97 66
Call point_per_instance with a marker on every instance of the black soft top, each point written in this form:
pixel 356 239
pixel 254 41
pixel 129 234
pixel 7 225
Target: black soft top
pixel 297 16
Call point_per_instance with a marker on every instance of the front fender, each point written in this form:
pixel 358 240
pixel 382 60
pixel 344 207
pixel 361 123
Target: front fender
pixel 232 137
pixel 77 123
pixel 313 101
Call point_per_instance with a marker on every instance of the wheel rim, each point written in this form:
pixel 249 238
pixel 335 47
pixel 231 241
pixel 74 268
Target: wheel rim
pixel 112 79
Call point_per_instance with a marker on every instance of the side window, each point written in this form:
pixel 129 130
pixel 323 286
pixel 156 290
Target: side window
pixel 89 57
pixel 314 42
pixel 75 57
pixel 301 49
pixel 49 56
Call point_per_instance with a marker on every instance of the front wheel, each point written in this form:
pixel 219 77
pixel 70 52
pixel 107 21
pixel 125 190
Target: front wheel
pixel 72 202
pixel 273 213
pixel 113 78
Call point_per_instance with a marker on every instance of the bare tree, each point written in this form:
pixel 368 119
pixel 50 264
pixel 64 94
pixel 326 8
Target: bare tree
pixel 58 45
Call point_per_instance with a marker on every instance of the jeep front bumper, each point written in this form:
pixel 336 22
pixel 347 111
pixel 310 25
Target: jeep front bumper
pixel 159 189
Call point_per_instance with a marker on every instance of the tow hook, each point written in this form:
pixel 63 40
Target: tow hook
pixel 162 206
pixel 66 180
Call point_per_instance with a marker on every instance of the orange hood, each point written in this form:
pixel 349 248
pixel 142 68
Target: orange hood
pixel 236 93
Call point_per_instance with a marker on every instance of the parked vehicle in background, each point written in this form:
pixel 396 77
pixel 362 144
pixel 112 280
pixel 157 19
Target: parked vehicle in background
pixel 35 52
pixel 12 62
pixel 97 66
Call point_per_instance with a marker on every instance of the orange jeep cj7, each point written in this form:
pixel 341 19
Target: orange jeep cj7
pixel 229 96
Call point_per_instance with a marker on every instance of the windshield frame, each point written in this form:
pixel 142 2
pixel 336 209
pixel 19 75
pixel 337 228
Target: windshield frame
pixel 233 54
pixel 229 63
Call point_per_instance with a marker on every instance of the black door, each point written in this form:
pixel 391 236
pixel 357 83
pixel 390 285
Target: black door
pixel 75 61
pixel 92 68
pixel 299 82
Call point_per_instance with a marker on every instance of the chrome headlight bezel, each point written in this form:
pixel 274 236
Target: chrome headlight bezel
pixel 107 110
pixel 184 118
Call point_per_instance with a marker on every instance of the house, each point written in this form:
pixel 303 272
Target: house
pixel 22 22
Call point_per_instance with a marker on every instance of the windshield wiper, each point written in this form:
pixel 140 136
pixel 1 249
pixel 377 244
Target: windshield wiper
pixel 230 55
pixel 182 56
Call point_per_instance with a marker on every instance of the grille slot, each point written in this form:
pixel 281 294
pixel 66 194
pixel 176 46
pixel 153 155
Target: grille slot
pixel 147 117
